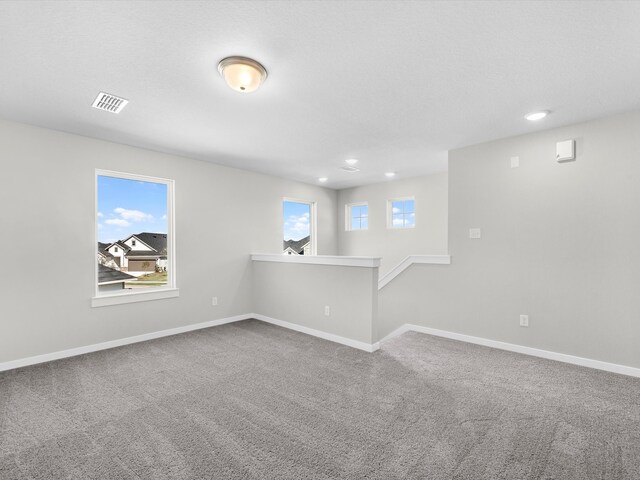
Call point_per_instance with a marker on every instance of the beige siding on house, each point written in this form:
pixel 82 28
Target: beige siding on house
pixel 142 265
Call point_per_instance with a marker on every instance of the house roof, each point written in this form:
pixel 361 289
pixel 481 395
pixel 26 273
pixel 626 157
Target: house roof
pixel 111 275
pixel 296 245
pixel 157 241
pixel 102 250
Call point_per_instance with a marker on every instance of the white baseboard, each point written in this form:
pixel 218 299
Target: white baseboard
pixel 367 347
pixel 560 357
pixel 72 352
pixel 535 352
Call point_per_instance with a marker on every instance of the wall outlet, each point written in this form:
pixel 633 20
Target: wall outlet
pixel 475 233
pixel 515 162
pixel 327 310
pixel 214 301
pixel 524 320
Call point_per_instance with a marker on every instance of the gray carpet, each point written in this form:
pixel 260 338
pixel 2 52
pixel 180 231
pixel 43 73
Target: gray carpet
pixel 250 400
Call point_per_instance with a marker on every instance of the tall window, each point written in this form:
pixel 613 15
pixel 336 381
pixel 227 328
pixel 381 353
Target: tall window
pixel 401 213
pixel 134 230
pixel 357 216
pixel 298 227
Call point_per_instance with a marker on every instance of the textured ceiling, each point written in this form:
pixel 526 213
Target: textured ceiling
pixel 394 84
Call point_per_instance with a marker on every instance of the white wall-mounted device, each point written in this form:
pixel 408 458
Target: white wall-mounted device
pixel 565 151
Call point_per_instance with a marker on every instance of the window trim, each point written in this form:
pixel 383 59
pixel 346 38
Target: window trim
pixel 390 212
pixel 313 224
pixel 348 219
pixel 152 293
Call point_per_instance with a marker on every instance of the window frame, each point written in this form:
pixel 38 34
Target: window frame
pixel 348 219
pixel 390 225
pixel 170 290
pixel 313 230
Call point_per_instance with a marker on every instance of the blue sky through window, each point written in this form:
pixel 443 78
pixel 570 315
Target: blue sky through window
pixel 130 206
pixel 296 220
pixel 403 214
pixel 359 217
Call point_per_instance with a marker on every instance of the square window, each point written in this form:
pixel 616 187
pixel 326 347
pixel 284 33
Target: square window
pixel 401 213
pixel 356 216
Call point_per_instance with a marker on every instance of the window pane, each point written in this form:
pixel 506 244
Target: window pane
pixel 410 220
pixel 364 223
pixel 296 227
pixel 409 206
pixel 355 224
pixel 132 234
pixel 364 211
pixel 398 220
pixel 355 211
pixel 397 206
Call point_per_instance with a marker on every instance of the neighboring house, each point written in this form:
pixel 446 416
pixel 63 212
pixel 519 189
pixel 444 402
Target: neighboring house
pixel 104 257
pixel 140 253
pixel 110 279
pixel 298 247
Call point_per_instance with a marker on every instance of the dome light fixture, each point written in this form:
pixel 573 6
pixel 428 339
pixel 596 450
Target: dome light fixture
pixel 351 161
pixel 534 116
pixel 242 74
pixel 390 174
pixel 323 179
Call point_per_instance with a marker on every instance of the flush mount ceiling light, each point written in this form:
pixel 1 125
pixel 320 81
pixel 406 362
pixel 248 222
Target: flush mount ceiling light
pixel 390 174
pixel 323 179
pixel 242 74
pixel 351 161
pixel 533 116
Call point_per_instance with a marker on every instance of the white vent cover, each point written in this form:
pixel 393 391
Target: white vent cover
pixel 109 103
pixel 350 169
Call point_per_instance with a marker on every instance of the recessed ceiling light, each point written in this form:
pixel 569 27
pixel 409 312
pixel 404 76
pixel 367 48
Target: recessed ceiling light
pixel 390 174
pixel 350 169
pixel 533 116
pixel 243 74
pixel 323 179
pixel 351 161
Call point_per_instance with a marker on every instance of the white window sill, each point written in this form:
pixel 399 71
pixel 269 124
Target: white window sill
pixel 134 297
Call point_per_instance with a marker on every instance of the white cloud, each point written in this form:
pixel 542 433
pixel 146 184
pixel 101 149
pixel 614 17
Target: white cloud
pixel 396 210
pixel 120 222
pixel 133 215
pixel 100 226
pixel 100 214
pixel 397 222
pixel 297 226
pixel 164 217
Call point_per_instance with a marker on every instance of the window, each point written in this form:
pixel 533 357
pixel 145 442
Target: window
pixel 134 238
pixel 298 227
pixel 401 213
pixel 357 216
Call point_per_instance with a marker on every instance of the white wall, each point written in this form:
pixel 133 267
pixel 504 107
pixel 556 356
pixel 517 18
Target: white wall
pixel 428 237
pixel 560 242
pixel 47 196
pixel 298 294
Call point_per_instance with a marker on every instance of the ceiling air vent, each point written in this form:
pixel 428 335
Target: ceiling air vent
pixel 350 169
pixel 109 103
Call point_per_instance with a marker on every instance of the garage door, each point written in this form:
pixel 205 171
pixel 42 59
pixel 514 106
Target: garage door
pixel 142 265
